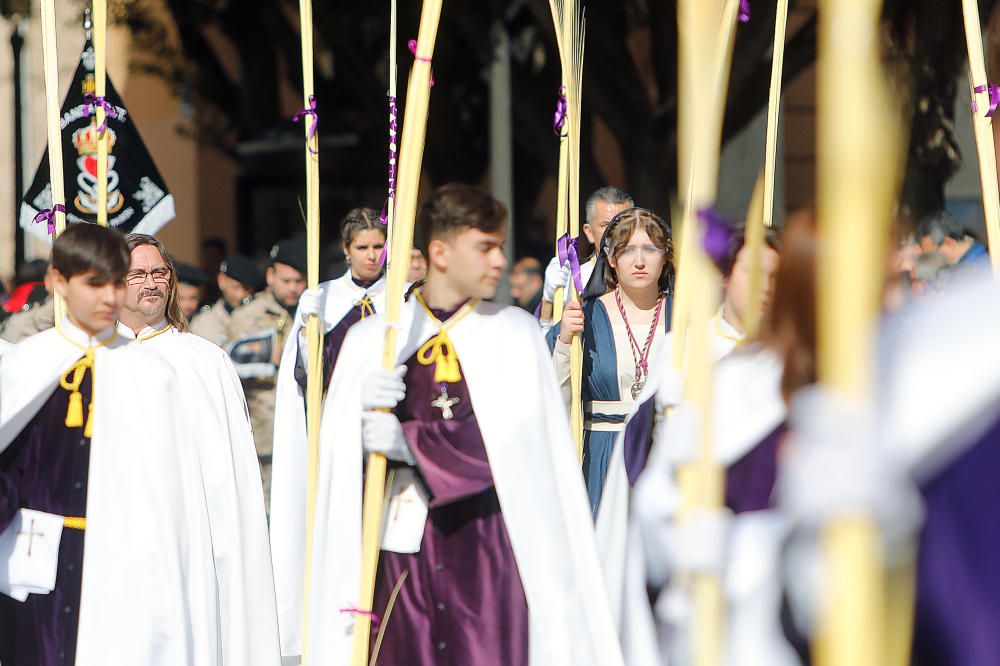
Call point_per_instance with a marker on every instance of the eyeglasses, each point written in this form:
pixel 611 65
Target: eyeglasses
pixel 632 251
pixel 161 274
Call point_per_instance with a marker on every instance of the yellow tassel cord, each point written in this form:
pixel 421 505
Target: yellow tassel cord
pixel 154 334
pixel 73 378
pixel 74 413
pixel 439 349
pixel 367 309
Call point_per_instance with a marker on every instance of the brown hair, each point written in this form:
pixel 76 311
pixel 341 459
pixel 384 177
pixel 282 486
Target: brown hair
pixel 359 219
pixel 173 311
pixel 455 207
pixel 738 239
pixel 620 231
pixel 790 327
pixel 89 248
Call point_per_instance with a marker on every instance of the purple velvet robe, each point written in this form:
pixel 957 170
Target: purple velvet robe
pixel 462 603
pixel 333 340
pixel 749 481
pixel 958 575
pixel 46 468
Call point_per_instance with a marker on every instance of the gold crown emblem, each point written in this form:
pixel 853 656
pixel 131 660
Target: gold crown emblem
pixel 87 138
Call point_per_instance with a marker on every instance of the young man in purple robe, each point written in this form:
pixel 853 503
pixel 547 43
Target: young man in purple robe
pixel 105 547
pixel 488 554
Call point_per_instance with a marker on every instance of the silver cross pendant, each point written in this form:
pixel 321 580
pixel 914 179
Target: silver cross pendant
pixel 444 403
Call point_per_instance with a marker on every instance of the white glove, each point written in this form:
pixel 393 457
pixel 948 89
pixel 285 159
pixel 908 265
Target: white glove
pixel 382 433
pixel 383 389
pixel 311 303
pixel 556 276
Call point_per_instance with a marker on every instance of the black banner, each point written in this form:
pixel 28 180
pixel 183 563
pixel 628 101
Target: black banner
pixel 138 200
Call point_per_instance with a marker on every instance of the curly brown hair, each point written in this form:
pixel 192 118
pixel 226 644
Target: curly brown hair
pixel 619 233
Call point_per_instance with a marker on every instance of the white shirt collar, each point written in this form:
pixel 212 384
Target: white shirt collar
pixel 724 329
pixel 80 337
pixel 127 332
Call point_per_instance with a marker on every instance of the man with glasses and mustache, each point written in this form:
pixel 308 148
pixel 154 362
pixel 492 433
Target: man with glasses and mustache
pixel 216 420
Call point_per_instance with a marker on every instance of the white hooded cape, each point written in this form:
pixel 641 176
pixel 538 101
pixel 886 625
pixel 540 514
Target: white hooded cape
pixel 215 416
pixel 536 473
pixel 748 407
pixel 288 463
pixel 148 594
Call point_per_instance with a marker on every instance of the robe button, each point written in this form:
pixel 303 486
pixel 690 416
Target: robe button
pixel 68 610
pixel 439 567
pixel 70 566
pixel 440 607
pixel 83 441
pixel 441 646
pixel 78 485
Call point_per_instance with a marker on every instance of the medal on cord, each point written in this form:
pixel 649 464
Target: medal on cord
pixel 639 354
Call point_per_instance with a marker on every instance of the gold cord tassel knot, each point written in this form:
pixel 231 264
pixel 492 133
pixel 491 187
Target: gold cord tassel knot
pixel 71 381
pixel 441 351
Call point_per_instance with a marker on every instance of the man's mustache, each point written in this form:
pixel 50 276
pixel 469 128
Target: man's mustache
pixel 151 292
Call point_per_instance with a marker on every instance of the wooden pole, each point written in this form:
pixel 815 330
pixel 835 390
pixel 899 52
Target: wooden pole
pixel 410 160
pixel 54 131
pixel 314 340
pixel 983 127
pixel 100 27
pixel 691 171
pixel 858 146
pixel 761 213
pixel 754 244
pixel 706 32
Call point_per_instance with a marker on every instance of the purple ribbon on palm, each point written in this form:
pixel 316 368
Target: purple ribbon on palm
pixel 49 215
pixel 994 94
pixel 92 102
pixel 412 45
pixel 562 109
pixel 718 229
pixel 744 15
pixel 566 248
pixel 311 111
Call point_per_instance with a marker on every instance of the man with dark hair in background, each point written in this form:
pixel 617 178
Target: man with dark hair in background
pixel 941 232
pixel 257 334
pixel 526 281
pixel 238 280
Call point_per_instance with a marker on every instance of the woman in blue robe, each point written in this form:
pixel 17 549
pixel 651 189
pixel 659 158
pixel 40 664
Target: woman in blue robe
pixel 624 312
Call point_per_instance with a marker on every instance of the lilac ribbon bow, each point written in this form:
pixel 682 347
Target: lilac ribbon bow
pixel 718 229
pixel 393 155
pixel 92 102
pixel 566 250
pixel 49 215
pixel 994 93
pixel 744 15
pixel 562 109
pixel 311 111
pixel 412 45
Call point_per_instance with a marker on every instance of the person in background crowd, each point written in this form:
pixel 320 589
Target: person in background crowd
pixel 191 283
pixel 213 253
pixel 269 314
pixel 238 280
pixel 526 282
pixel 941 232
pixel 418 266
